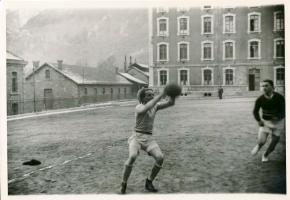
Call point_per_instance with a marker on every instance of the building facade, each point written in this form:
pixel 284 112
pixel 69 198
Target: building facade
pixel 204 48
pixel 55 86
pixel 15 83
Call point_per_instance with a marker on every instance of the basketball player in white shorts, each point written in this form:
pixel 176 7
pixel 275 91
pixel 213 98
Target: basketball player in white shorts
pixel 142 137
pixel 272 121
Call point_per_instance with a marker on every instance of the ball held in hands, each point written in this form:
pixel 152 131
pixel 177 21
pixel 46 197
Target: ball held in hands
pixel 172 90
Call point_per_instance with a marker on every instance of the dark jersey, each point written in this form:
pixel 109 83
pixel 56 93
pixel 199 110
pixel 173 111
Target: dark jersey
pixel 272 108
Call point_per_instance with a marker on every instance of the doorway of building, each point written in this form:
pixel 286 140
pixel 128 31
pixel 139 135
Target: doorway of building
pixel 251 82
pixel 254 79
pixel 48 99
pixel 14 108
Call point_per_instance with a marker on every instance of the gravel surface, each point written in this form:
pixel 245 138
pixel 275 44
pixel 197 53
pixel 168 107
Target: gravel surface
pixel 206 144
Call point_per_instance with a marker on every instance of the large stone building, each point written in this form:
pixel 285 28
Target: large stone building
pixel 54 86
pixel 203 48
pixel 15 83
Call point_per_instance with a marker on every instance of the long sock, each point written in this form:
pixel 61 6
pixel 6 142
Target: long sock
pixel 260 146
pixel 127 172
pixel 272 145
pixel 155 170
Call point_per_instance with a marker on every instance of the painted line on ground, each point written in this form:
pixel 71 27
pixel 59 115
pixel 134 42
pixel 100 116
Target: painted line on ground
pixel 57 113
pixel 11 180
pixel 121 104
pixel 128 104
pixel 65 162
pixel 26 175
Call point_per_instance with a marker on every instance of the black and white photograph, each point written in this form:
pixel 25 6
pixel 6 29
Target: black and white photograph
pixel 144 98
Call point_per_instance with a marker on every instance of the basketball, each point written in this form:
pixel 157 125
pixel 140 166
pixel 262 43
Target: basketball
pixel 172 90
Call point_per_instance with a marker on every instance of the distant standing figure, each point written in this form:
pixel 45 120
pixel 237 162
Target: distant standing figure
pixel 221 91
pixel 272 121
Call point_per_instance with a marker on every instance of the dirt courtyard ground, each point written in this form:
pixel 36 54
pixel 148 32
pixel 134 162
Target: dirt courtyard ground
pixel 206 144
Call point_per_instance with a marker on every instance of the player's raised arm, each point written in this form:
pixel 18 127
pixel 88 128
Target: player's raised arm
pixel 147 99
pixel 166 104
pixel 172 90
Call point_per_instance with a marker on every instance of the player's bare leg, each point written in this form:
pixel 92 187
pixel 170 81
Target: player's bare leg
pixel 262 138
pixel 158 156
pixel 128 169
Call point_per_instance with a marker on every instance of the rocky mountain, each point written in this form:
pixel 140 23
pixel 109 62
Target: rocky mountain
pixel 80 36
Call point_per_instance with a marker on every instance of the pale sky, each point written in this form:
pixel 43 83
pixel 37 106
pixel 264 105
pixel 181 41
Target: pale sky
pixel 26 14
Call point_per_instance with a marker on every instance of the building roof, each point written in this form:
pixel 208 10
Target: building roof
pixel 143 67
pixel 85 75
pixel 141 71
pixel 132 78
pixel 12 56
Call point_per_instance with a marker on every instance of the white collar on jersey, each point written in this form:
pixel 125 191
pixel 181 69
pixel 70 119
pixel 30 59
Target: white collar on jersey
pixel 269 97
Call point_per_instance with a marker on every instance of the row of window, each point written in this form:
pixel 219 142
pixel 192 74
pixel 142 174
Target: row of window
pixel 229 49
pixel 47 76
pixel 208 76
pixel 229 23
pixel 164 10
pixel 96 91
pixel 183 78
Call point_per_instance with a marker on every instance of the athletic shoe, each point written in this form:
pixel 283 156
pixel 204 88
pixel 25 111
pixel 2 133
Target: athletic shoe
pixel 123 188
pixel 264 158
pixel 255 150
pixel 149 186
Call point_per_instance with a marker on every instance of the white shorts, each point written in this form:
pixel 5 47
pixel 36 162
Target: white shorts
pixel 273 127
pixel 142 141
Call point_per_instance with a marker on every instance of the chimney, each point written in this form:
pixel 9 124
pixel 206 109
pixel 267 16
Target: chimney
pixel 59 64
pixel 130 61
pixel 125 65
pixel 35 65
pixel 135 60
pixel 116 70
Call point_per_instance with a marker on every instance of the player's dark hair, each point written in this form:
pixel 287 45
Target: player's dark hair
pixel 269 81
pixel 141 94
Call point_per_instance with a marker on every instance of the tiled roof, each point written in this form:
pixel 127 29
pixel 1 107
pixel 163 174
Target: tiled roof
pixel 86 75
pixel 132 78
pixel 143 67
pixel 141 71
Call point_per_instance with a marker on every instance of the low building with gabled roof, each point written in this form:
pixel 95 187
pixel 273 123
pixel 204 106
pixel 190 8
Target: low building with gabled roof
pixel 58 85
